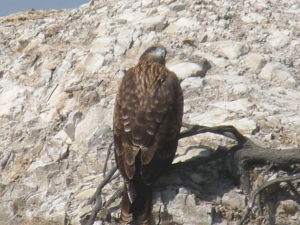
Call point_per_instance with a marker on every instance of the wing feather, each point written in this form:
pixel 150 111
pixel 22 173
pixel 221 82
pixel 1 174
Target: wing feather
pixel 147 120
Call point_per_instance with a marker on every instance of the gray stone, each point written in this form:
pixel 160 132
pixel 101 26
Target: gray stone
pixel 187 69
pixel 235 51
pixel 93 62
pixel 124 38
pixel 136 5
pixel 9 97
pixel 192 87
pixel 233 199
pixel 85 194
pixel 57 149
pixel 289 207
pixel 245 126
pixel 147 3
pixel 278 74
pixel 73 119
pixel 189 212
pixel 195 152
pixel 89 123
pixel 187 22
pixel 254 18
pixel 102 45
pixel 240 105
pixel 254 61
pixel 210 118
pixel 267 71
pixel 278 40
pixel 34 43
pixel 219 61
pixel 177 7
pixel 239 89
pixel 156 23
pixel 172 28
pixel 119 50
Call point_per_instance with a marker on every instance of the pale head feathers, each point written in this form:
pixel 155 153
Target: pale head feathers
pixel 155 53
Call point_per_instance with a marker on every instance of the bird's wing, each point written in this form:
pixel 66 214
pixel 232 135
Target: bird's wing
pixel 146 121
pixel 160 154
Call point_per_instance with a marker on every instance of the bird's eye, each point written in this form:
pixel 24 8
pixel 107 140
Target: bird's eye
pixel 153 49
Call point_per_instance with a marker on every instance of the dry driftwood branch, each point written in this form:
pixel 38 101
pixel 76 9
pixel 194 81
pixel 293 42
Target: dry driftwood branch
pixel 106 159
pixel 261 188
pixel 238 158
pixel 97 196
pixel 251 154
pixel 102 184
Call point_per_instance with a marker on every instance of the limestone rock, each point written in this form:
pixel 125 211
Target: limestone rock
pixel 254 61
pixel 192 87
pixel 245 126
pixel 156 23
pixel 119 50
pixel 235 51
pixel 93 62
pixel 220 62
pixel 278 74
pixel 239 89
pixel 278 39
pixel 124 38
pixel 186 22
pixel 233 199
pixel 102 45
pixel 85 194
pixel 177 7
pixel 189 212
pixel 34 43
pixel 70 127
pixel 91 121
pixel 195 152
pixel 254 18
pixel 187 69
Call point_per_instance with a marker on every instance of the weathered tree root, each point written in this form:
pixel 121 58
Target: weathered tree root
pixel 238 159
pixel 96 198
pixel 261 188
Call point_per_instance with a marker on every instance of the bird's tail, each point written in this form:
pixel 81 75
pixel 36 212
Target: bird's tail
pixel 136 205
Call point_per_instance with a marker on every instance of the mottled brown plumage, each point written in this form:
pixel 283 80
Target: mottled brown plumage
pixel 147 121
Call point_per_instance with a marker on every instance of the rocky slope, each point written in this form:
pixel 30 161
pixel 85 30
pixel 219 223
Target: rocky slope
pixel 59 75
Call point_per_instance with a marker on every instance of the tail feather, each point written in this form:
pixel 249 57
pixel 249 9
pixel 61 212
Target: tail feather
pixel 136 204
pixel 126 216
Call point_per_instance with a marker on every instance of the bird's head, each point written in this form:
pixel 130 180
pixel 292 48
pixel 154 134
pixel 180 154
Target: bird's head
pixel 156 53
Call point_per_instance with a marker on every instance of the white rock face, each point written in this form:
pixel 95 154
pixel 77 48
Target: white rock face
pixel 103 45
pixel 93 62
pixel 244 125
pixel 254 18
pixel 239 89
pixel 124 38
pixel 59 75
pixel 186 69
pixel 155 23
pixel 254 61
pixel 278 39
pixel 235 50
pixel 92 121
pixel 186 22
pixel 278 74
pixel 192 87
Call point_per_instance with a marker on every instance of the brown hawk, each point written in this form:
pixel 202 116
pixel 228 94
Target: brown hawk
pixel 147 121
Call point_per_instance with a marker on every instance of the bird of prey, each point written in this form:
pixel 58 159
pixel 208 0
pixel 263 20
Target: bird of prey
pixel 147 121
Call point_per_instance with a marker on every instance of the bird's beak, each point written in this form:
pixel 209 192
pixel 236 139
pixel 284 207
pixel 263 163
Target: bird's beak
pixel 164 53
